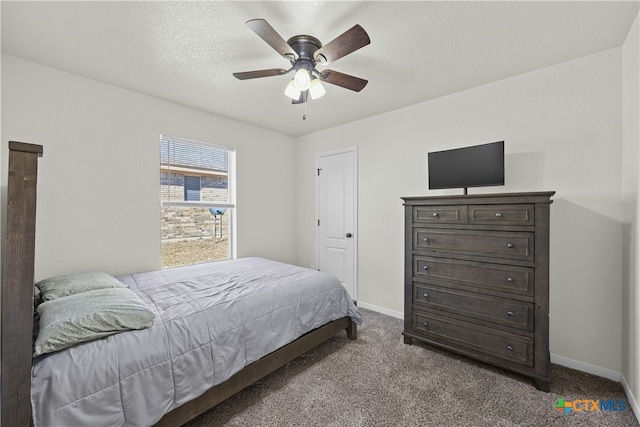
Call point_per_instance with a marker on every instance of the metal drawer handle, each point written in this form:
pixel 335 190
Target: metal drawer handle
pixel 510 279
pixel 498 215
pixel 425 324
pixel 510 313
pixel 425 268
pixel 510 347
pixel 426 240
pixel 425 295
pixel 510 245
pixel 436 214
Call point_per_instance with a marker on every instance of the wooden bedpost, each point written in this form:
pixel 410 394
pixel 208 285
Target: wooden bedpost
pixel 17 284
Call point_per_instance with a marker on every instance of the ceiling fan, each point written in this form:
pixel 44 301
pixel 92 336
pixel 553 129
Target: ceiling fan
pixel 305 53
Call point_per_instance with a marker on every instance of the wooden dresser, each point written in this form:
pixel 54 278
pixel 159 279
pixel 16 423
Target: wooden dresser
pixel 477 278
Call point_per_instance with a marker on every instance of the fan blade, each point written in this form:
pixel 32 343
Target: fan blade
pixel 347 42
pixel 304 95
pixel 271 36
pixel 345 80
pixel 260 73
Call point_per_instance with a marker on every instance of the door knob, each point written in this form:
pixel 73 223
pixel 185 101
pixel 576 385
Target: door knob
pixel 348 235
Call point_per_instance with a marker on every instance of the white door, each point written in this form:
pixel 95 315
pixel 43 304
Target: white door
pixel 337 216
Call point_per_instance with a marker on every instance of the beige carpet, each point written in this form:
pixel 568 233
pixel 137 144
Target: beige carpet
pixel 380 381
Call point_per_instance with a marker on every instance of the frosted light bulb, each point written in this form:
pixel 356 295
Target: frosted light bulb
pixel 302 79
pixel 316 90
pixel 292 91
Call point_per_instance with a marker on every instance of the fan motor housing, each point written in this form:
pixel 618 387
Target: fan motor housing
pixel 304 46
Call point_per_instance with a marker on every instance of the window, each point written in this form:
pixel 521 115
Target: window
pixel 197 201
pixel 192 188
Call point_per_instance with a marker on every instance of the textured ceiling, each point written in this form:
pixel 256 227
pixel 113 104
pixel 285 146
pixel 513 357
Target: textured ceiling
pixel 186 52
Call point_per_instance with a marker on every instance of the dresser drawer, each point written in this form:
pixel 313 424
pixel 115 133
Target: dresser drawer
pixel 503 244
pixel 465 335
pixel 440 214
pixel 501 214
pixel 474 276
pixel 503 311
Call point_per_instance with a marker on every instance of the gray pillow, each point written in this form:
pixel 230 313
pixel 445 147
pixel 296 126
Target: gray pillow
pixel 70 284
pixel 87 316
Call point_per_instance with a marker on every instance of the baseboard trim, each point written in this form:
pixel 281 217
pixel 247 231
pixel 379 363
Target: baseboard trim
pixel 630 397
pixel 382 310
pixel 586 367
pixel 560 360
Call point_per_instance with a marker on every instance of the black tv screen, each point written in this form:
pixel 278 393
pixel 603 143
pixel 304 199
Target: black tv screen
pixel 475 166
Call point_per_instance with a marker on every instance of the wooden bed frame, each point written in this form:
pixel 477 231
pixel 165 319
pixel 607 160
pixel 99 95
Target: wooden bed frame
pixel 17 310
pixel 255 371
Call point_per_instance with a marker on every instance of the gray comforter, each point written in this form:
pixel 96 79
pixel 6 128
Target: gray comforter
pixel 211 321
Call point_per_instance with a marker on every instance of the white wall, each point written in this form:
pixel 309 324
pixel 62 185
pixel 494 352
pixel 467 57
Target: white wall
pixel 631 215
pixel 562 127
pixel 99 192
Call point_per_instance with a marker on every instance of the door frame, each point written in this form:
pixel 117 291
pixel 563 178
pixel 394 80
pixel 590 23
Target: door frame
pixel 354 150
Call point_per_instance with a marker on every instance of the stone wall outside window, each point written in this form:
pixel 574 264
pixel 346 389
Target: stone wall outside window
pixel 182 223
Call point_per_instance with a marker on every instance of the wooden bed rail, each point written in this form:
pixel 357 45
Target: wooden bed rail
pixel 17 284
pixel 255 371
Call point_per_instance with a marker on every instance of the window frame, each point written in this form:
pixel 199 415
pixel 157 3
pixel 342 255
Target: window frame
pixel 230 205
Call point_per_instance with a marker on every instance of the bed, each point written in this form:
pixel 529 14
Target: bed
pixel 216 328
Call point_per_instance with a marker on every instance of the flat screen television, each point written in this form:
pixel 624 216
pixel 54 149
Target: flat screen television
pixel 474 166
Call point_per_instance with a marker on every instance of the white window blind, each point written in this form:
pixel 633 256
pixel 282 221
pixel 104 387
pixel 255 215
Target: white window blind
pixel 196 174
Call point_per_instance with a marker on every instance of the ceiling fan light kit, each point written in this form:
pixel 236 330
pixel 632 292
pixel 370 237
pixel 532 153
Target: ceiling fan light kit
pixel 305 53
